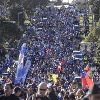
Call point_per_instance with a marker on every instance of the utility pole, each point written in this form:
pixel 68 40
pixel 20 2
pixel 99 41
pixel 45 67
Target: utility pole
pixel 18 17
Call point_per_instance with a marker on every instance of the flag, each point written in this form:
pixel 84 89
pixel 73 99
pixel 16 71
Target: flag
pixel 52 77
pixel 85 80
pixel 25 15
pixel 62 62
pixel 25 69
pixel 8 69
pixel 19 72
pixel 87 68
pixel 49 76
pixel 60 65
pixel 26 19
pixel 59 68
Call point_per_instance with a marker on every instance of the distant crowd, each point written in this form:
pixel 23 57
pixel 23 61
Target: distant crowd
pixel 51 38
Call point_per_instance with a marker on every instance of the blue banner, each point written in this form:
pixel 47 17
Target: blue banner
pixel 20 67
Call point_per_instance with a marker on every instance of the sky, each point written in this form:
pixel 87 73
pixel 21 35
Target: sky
pixel 67 1
pixel 64 0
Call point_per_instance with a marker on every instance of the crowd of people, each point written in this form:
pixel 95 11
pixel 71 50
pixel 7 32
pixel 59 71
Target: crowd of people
pixel 51 38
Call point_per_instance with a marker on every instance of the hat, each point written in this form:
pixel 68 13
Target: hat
pixel 95 88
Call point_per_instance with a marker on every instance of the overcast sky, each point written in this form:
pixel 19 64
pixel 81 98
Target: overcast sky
pixel 67 1
pixel 64 0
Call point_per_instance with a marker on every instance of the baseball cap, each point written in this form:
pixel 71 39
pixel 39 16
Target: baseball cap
pixel 95 88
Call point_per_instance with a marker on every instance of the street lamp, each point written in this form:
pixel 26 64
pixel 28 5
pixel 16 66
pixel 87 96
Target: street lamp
pixel 18 17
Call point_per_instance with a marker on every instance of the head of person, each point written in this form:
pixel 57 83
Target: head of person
pixel 17 91
pixel 66 97
pixel 42 88
pixel 80 92
pixel 38 98
pixel 8 89
pixel 94 92
pixel 30 89
pixel 71 97
pixel 62 94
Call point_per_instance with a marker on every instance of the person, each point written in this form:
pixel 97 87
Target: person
pixel 72 97
pixel 52 94
pixel 17 91
pixel 94 92
pixel 8 89
pixel 80 94
pixel 1 89
pixel 38 98
pixel 61 95
pixel 42 88
pixel 66 97
pixel 30 90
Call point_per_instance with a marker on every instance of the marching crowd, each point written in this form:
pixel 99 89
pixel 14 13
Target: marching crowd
pixel 51 39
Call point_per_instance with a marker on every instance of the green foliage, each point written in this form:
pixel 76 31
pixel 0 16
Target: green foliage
pixel 98 51
pixel 81 6
pixel 93 35
pixel 16 6
pixel 8 30
pixel 14 13
pixel 13 2
pixel 31 4
pixel 3 51
pixel 59 2
pixel 91 2
pixel 1 2
pixel 95 8
pixel 28 4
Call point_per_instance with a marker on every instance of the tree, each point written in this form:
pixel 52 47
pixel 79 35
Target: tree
pixel 59 2
pixel 81 6
pixel 93 35
pixel 27 4
pixel 95 8
pixel 9 31
pixel 2 51
pixel 17 14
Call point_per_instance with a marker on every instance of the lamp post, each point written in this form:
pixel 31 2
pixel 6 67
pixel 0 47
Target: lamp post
pixel 18 17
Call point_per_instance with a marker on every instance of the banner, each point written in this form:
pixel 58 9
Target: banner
pixel 20 71
pixel 85 80
pixel 26 68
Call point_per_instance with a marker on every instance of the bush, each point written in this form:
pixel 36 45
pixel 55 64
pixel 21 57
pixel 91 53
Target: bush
pixel 93 35
pixel 2 51
pixel 9 31
pixel 14 13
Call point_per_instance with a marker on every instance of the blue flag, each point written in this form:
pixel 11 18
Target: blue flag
pixel 20 72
